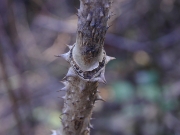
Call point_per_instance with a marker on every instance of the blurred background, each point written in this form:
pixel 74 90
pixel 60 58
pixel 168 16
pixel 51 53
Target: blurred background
pixel 143 90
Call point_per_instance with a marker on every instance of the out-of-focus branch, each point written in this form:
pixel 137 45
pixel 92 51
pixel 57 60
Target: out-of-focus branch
pixel 47 22
pixel 11 94
pixel 10 41
pixel 111 39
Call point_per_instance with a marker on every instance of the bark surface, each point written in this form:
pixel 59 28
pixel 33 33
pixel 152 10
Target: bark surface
pixel 87 60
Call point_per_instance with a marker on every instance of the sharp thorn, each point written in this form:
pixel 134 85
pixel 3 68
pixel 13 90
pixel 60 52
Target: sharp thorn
pixel 71 73
pixel 91 126
pixel 64 82
pixel 99 98
pixel 57 55
pixel 109 58
pixel 69 46
pixel 102 80
pixel 65 114
pixel 64 89
pixel 63 97
pixel 65 56
pixel 92 118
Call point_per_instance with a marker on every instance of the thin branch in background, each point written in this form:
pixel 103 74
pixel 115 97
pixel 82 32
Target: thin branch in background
pixel 11 94
pixel 111 39
pixel 10 42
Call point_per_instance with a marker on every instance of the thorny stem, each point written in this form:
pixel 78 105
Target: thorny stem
pixel 87 60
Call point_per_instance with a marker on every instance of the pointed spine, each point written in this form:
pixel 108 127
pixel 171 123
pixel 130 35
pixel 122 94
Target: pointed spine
pixel 69 46
pixel 109 58
pixel 65 56
pixel 70 73
pixel 98 97
pixel 63 97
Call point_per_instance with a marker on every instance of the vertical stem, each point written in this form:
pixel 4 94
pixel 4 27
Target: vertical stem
pixel 87 60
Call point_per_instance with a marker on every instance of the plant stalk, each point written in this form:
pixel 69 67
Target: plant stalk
pixel 87 59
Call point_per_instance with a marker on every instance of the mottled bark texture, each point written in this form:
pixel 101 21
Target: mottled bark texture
pixel 87 60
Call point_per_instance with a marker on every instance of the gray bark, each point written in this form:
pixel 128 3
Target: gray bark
pixel 87 59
